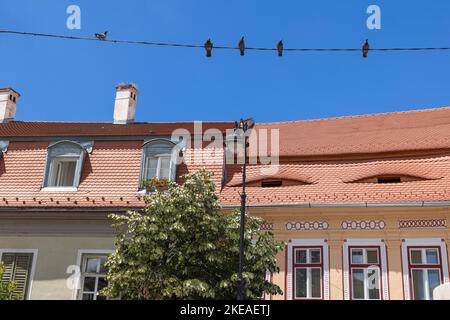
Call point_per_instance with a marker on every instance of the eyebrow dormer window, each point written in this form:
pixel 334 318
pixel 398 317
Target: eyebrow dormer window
pixel 64 166
pixel 389 180
pixel 159 160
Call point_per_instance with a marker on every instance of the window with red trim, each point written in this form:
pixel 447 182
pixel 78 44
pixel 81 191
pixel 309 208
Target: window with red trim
pixel 425 271
pixel 365 273
pixel 307 266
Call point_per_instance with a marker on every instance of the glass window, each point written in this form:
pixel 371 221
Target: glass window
pixel 316 282
pixel 308 268
pixel 159 160
pixel 372 256
pixel 300 282
pixel 64 164
pixel 357 256
pixel 425 272
pixel 432 256
pixel 300 256
pixel 416 256
pixel 93 275
pixel 315 255
pixel 365 273
pixel 358 283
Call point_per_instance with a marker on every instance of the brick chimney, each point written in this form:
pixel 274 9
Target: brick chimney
pixel 8 103
pixel 125 103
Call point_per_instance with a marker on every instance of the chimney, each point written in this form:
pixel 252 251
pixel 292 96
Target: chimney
pixel 125 103
pixel 8 103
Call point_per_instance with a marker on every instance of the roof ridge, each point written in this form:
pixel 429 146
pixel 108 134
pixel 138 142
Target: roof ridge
pixel 358 116
pixel 105 122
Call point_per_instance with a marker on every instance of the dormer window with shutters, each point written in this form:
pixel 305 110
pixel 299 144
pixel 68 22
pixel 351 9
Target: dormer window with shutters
pixel 159 160
pixel 64 165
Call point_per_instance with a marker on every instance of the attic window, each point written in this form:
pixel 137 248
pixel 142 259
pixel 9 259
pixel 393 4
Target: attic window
pixel 389 180
pixel 271 184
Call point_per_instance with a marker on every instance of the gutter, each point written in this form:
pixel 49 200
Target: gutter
pixel 350 204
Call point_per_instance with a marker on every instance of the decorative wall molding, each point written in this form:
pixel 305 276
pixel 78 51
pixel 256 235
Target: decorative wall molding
pixel 266 226
pixel 363 225
pixel 307 225
pixel 422 223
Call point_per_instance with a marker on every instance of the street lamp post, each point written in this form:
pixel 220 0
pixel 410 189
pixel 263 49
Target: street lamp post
pixel 243 126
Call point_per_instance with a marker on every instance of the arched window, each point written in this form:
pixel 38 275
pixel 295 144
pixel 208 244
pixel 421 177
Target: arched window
pixel 64 164
pixel 159 160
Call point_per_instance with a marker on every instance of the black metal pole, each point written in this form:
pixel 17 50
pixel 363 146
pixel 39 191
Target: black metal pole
pixel 241 289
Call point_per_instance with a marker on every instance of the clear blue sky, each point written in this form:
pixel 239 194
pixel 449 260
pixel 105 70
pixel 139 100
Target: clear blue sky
pixel 74 81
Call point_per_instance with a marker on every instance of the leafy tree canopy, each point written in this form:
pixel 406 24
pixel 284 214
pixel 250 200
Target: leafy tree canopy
pixel 182 246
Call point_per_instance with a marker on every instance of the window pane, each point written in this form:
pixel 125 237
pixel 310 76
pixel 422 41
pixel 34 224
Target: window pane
pixel 432 256
pixel 416 256
pixel 89 284
pixel 373 283
pixel 315 255
pixel 372 256
pixel 165 168
pixel 434 280
pixel 316 283
pixel 418 284
pixel 63 173
pixel 88 296
pixel 101 284
pixel 91 265
pixel 300 283
pixel 102 265
pixel 357 256
pixel 358 283
pixel 300 256
pixel 151 164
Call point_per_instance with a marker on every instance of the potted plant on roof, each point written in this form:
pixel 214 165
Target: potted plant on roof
pixel 156 184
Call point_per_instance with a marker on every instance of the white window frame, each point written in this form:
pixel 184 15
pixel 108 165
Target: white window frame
pixel 78 288
pixel 325 283
pixel 159 158
pixel 384 290
pixel 422 243
pixel 54 168
pixel 173 158
pixel 33 265
pixel 52 159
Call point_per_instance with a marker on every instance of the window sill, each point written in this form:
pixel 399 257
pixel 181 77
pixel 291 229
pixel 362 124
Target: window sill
pixel 59 189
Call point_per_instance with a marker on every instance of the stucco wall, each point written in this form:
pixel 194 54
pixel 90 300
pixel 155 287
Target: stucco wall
pixel 55 254
pixel 58 238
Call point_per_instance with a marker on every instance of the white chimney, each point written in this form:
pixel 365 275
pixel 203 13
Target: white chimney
pixel 125 103
pixel 8 103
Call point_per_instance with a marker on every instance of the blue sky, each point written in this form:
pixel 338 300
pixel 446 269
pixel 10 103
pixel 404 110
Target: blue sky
pixel 74 81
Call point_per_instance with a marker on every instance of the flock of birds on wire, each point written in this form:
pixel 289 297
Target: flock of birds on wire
pixel 241 45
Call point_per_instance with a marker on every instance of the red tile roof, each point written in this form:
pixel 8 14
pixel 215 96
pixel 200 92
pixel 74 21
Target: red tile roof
pixel 110 177
pixel 387 132
pixel 98 129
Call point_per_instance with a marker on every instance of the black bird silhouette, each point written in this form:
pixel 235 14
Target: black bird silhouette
pixel 280 48
pixel 208 48
pixel 365 49
pixel 241 46
pixel 102 35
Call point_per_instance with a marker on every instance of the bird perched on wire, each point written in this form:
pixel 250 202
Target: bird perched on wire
pixel 365 49
pixel 102 35
pixel 241 46
pixel 280 48
pixel 208 47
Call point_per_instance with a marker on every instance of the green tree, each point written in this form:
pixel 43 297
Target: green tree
pixel 182 246
pixel 6 287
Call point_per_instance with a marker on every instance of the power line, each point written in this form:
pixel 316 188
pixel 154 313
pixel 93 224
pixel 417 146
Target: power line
pixel 168 44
